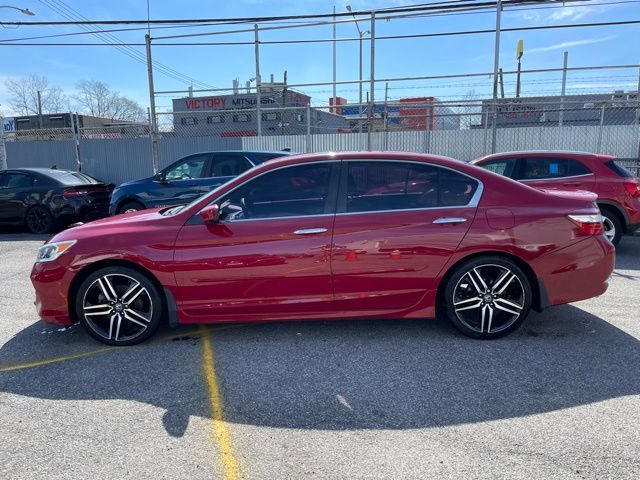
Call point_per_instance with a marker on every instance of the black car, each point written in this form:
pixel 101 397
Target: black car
pixel 186 179
pixel 43 199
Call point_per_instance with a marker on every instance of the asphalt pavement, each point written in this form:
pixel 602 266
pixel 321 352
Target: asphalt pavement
pixel 558 399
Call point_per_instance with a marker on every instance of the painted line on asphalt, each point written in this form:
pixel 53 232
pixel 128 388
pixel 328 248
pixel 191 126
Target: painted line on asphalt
pixel 66 358
pixel 221 434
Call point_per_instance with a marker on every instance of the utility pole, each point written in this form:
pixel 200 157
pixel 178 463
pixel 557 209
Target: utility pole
pixel 496 62
pixel 519 52
pixel 564 88
pixel 40 109
pixel 3 150
pixel 152 105
pixel 371 99
pixel 258 82
pixel 334 57
pixel 501 84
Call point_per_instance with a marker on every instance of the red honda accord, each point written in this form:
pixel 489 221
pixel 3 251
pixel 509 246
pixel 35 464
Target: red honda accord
pixel 332 236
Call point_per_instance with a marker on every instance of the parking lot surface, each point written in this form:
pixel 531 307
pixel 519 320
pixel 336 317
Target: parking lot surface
pixel 560 398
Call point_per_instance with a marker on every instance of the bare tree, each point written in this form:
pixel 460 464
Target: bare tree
pixel 96 98
pixel 24 93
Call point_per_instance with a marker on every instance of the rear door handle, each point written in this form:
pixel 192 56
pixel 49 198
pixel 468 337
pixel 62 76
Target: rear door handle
pixel 571 184
pixel 310 231
pixel 441 220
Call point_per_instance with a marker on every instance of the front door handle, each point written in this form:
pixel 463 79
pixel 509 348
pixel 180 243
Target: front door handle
pixel 310 231
pixel 441 220
pixel 571 184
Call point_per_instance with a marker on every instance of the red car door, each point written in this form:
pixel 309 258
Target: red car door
pixel 559 173
pixel 268 256
pixel 397 224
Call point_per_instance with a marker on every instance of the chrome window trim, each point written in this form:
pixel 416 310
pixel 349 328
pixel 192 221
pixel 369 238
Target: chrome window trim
pixel 473 203
pixel 557 178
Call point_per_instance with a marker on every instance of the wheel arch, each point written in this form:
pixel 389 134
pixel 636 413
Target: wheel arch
pixel 617 210
pixel 128 199
pixel 540 299
pixel 169 306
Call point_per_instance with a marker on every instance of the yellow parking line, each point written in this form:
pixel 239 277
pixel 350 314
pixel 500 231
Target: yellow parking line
pixel 222 437
pixel 49 361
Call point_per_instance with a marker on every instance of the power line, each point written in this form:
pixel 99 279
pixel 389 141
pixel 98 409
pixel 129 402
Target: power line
pixel 346 39
pixel 69 12
pixel 450 5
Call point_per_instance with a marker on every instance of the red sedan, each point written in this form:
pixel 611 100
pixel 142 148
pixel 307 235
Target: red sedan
pixel 345 235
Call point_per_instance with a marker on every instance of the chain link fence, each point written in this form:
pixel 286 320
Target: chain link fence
pixel 464 129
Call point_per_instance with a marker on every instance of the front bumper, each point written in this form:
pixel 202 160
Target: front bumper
pixel 51 282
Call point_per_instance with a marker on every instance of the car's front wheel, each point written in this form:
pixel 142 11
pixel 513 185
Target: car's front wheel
pixel 487 297
pixel 119 306
pixel 130 207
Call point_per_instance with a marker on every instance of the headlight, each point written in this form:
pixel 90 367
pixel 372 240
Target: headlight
pixel 51 251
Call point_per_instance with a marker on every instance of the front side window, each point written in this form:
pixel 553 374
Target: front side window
pixel 504 167
pixel 548 168
pixel 382 186
pixel 295 191
pixel 229 165
pixel 192 167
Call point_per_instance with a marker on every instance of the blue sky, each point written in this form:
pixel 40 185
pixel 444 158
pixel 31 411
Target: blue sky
pixel 218 65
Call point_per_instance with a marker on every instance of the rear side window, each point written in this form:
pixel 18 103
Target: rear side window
pixel 548 168
pixel 382 186
pixel 16 180
pixel 504 166
pixel 618 169
pixel 229 165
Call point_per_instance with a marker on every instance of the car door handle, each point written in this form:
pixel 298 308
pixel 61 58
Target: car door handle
pixel 571 184
pixel 310 231
pixel 441 220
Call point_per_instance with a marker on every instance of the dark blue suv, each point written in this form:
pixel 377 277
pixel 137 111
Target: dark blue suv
pixel 185 180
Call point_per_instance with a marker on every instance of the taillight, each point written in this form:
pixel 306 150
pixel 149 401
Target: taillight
pixel 73 193
pixel 591 224
pixel 633 187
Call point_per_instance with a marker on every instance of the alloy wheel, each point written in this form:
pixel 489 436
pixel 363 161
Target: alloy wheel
pixel 489 298
pixel 117 307
pixel 38 220
pixel 609 228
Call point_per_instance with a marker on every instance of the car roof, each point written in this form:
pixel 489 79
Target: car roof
pixel 524 153
pixel 44 171
pixel 365 155
pixel 272 152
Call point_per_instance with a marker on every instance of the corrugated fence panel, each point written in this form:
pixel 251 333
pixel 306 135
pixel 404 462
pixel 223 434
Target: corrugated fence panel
pixel 43 154
pixel 116 161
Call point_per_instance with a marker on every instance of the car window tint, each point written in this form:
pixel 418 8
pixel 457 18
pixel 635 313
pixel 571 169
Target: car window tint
pixel 292 191
pixel 549 167
pixel 192 167
pixel 229 165
pixel 72 178
pixel 380 186
pixel 502 167
pixel 18 180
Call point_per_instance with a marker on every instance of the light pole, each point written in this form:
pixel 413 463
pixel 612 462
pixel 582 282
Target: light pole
pixel 519 52
pixel 26 11
pixel 361 34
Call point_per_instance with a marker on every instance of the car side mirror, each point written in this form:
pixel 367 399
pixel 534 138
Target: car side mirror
pixel 210 214
pixel 160 177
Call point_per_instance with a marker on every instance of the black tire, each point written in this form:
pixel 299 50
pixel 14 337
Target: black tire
pixel 114 319
pixel 39 220
pixel 613 226
pixel 129 207
pixel 479 308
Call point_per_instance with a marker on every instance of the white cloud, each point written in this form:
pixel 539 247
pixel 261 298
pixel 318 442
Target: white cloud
pixel 556 14
pixel 573 43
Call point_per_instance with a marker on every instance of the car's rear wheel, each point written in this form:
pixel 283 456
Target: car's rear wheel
pixel 487 297
pixel 130 207
pixel 119 306
pixel 612 225
pixel 39 220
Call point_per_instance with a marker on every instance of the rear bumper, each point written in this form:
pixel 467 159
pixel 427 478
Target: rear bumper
pixel 577 272
pixel 51 282
pixel 69 214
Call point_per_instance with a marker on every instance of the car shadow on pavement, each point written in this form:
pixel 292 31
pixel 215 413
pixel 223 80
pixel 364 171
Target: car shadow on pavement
pixel 346 374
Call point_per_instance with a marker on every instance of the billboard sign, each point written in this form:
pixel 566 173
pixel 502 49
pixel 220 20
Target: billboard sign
pixel 8 124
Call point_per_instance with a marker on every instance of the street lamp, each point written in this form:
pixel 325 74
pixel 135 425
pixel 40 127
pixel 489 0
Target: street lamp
pixel 26 11
pixel 361 34
pixel 519 52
